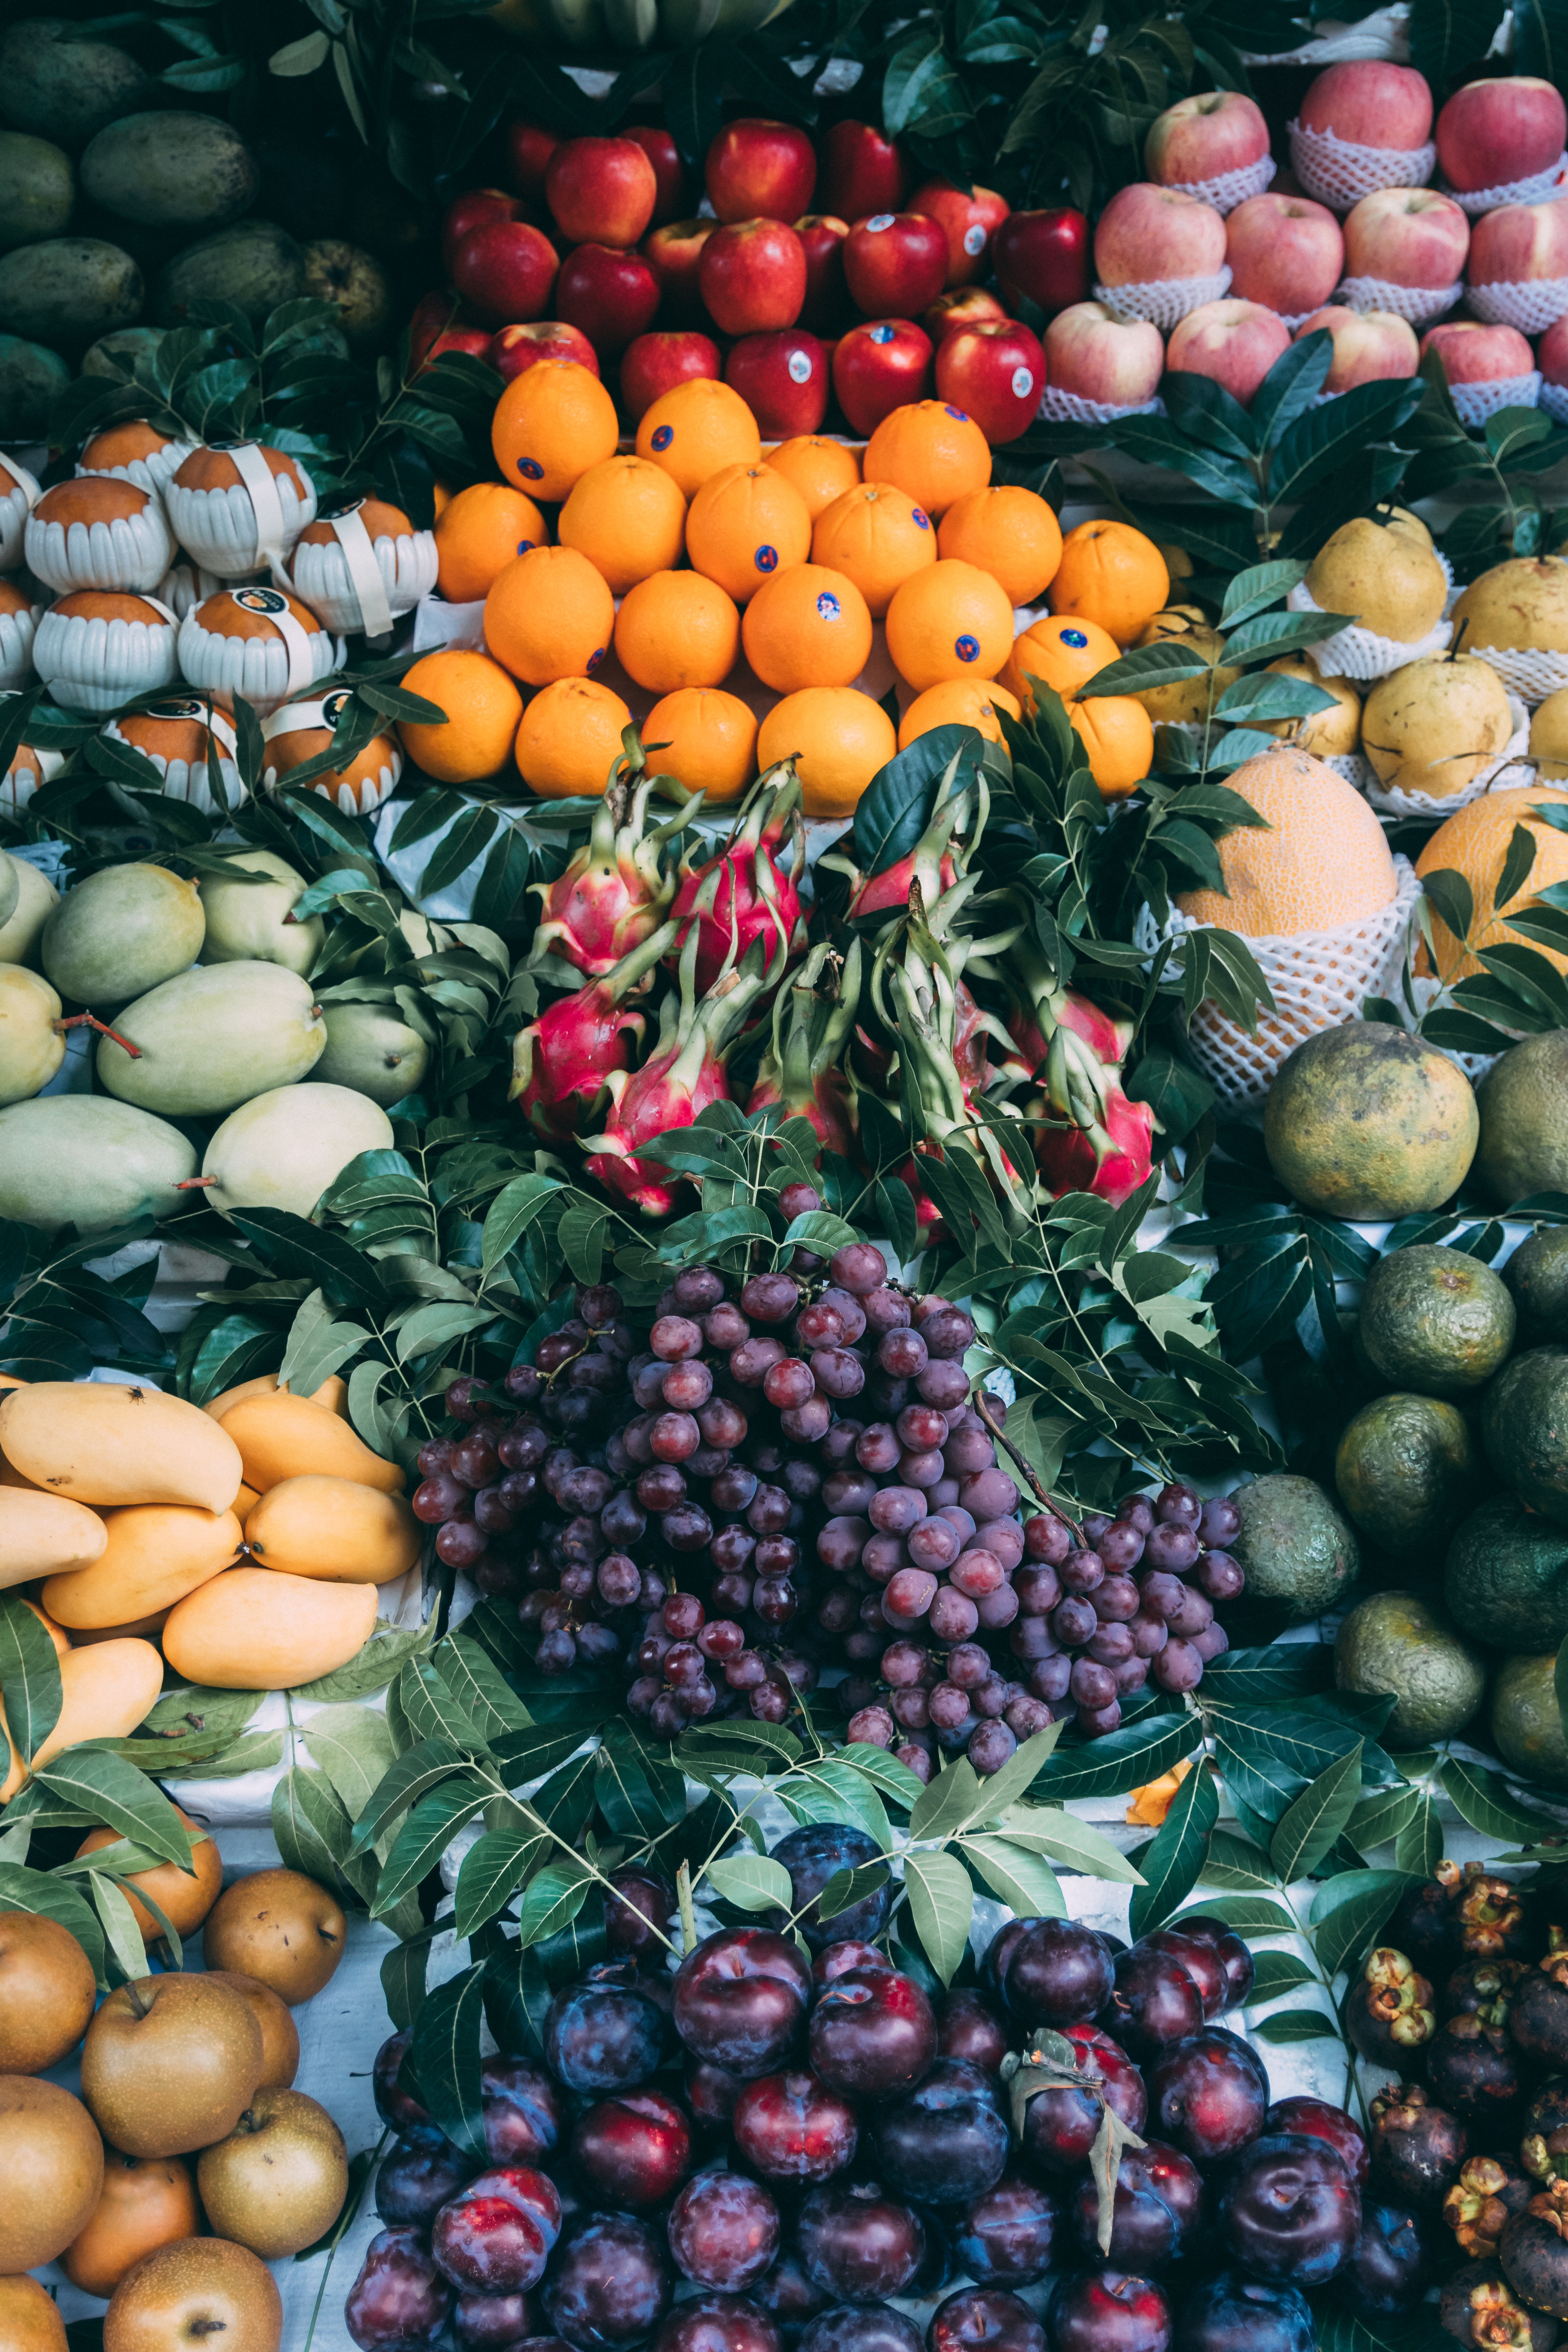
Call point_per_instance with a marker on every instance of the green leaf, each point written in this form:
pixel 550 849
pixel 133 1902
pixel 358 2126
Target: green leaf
pixel 425 1835
pixel 555 1898
pixel 1067 1839
pixel 301 1841
pixel 511 1213
pixel 833 1790
pixel 30 1692
pixel 897 804
pixel 1000 1790
pixel 432 1711
pixel 946 1803
pixel 1349 1911
pixel 1236 1864
pixel 490 1875
pixel 1174 1859
pixel 847 1887
pixel 638 1792
pixel 884 1771
pixel 1381 1815
pixel 444 2057
pixel 419 1769
pixel 1249 1915
pixel 1022 1878
pixel 403 1973
pixel 55 1898
pixel 1313 1823
pixel 295 1247
pixel 122 1934
pixel 114 1791
pixel 1482 1800
pixel 1122 1760
pixel 1288 2025
pixel 942 1904
pixel 1159 665
pixel 1418 1847
pixel 752 1882
pixel 477 1685
pixel 1277 1972
pixel 381 1659
pixel 353 1746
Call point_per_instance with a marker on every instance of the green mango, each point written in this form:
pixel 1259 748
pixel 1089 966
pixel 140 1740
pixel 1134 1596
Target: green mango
pixel 246 919
pixel 60 86
pixel 68 290
pixel 37 189
pixel 30 380
pixel 22 932
pixel 373 1049
pixel 284 1149
pixel 120 932
pixel 115 356
pixel 213 1038
pixel 31 1047
pixel 84 1160
pixel 254 264
pixel 171 171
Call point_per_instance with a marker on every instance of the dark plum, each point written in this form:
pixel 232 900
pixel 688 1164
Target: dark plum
pixel 635 2149
pixel 1417 2147
pixel 837 1959
pixel 872 2033
pixel 643 1900
pixel 606 2033
pixel 609 2284
pixel 1006 2237
pixel 1153 2003
pixel 1394 2262
pixel 1318 2120
pixel 968 2027
pixel 861 2328
pixel 724 2230
pixel 1289 2212
pixel 710 2094
pixel 857 2244
pixel 785 2293
pixel 813 1855
pixel 1199 1959
pixel 491 2323
pixel 987 2316
pixel 523 2110
pixel 400 2301
pixel 1109 2311
pixel 1208 2095
pixel 1389 2012
pixel 496 2234
pixel 1059 2126
pixel 396 2103
pixel 793 2127
pixel 1477 2306
pixel 1474 2070
pixel 946 2140
pixel 1056 1973
pixel 740 2000
pixel 1157 2213
pixel 717 2322
pixel 1232 2314
pixel 419 2174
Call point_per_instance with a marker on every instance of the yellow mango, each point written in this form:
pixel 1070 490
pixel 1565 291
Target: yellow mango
pixel 155 1554
pixel 251 1629
pixel 41 1533
pixel 145 1629
pixel 283 1436
pixel 10 1476
pixel 245 1502
pixel 334 1530
pixel 333 1394
pixel 106 1442
pixel 108 1690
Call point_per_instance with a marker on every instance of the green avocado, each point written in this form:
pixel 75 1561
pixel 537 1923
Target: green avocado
pixel 1396 1641
pixel 1524 1428
pixel 1407 1468
pixel 1537 1279
pixel 1527 1726
pixel 1505 1580
pixel 1294 1544
pixel 1435 1321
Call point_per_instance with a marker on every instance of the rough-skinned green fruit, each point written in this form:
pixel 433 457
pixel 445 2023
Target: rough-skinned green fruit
pixel 1364 1121
pixel 246 919
pixel 122 931
pixel 171 171
pixel 68 290
pixel 22 933
pixel 31 1047
pixel 1536 1277
pixel 213 1038
pixel 37 189
pixel 1435 1321
pixel 254 264
pixel 1396 1641
pixel 65 87
pixel 352 279
pixel 1524 1428
pixel 1505 1580
pixel 31 376
pixel 1295 1545
pixel 371 1048
pixel 284 1149
pixel 1522 1101
pixel 1407 1468
pixel 1527 1724
pixel 115 356
pixel 85 1160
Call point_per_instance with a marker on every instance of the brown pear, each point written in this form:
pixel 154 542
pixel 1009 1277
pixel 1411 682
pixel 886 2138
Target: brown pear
pixel 202 2292
pixel 281 1927
pixel 170 2065
pixel 46 1992
pixel 280 2035
pixel 184 1896
pixel 277 2182
pixel 146 2203
pixel 29 2317
pixel 51 2165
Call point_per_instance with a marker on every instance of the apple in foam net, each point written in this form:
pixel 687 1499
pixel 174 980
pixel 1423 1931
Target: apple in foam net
pixel 760 169
pixel 673 254
pixel 753 276
pixel 1474 353
pixel 601 191
pixel 995 372
pixel 822 237
pixel 668 171
pixel 1236 344
pixel 505 270
pixel 1408 236
pixel 1370 346
pixel 611 294
pixel 970 222
pixel 784 379
pixel 1520 242
pixel 1492 133
pixel 654 364
pixel 1204 137
pixel 1551 353
pixel 1371 103
pixel 859 171
pixel 1147 233
pixel 1285 252
pixel 895 263
pixel 1042 257
pixel 513 349
pixel 879 366
pixel 1093 353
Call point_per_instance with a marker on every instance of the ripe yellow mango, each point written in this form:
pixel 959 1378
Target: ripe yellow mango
pixel 283 1436
pixel 334 1530
pixel 145 1629
pixel 245 1502
pixel 333 1394
pixel 108 1691
pixel 250 1630
pixel 42 1533
pixel 105 1442
pixel 155 1554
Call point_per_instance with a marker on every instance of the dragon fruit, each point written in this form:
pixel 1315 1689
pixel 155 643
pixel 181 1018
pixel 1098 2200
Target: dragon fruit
pixel 1103 1144
pixel 560 1064
pixel 889 893
pixel 743 894
pixel 800 1068
pixel 616 891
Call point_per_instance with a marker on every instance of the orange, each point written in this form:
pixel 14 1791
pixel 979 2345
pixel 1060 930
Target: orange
pixel 838 740
pixel 709 741
pixel 1064 653
pixel 1113 575
pixel 821 470
pixel 746 524
pixel 931 449
pixel 1010 532
pixel 571 737
pixel 952 620
pixel 482 708
pixel 697 429
pixel 549 615
pixel 958 702
pixel 808 626
pixel 677 629
pixel 879 536
pixel 440 498
pixel 627 518
pixel 479 533
pixel 1474 842
pixel 1323 860
pixel 550 424
pixel 1117 735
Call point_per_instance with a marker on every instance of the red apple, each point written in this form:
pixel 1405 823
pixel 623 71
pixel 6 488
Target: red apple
pixel 430 316
pixel 505 270
pixel 672 253
pixel 1237 344
pixel 610 294
pixel 473 209
pixel 529 147
pixel 1520 242
pixel 1551 353
pixel 826 303
pixel 473 341
pixel 966 306
pixel 654 364
pixel 1408 236
pixel 668 171
pixel 1093 353
pixel 1042 257
pixel 878 367
pixel 1492 133
pixel 759 169
pixel 859 171
pixel 1371 103
pixel 1147 233
pixel 1472 353
pixel 753 275
pixel 1370 346
pixel 1284 251
pixel 995 372
pixel 513 349
pixel 784 379
pixel 1203 138
pixel 601 191
pixel 895 263
pixel 969 223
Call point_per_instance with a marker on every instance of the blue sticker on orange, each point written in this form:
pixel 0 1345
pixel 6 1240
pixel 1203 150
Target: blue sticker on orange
pixel 1074 637
pixel 766 559
pixel 663 435
pixel 962 413
pixel 967 648
pixel 828 607
pixel 530 469
pixel 921 522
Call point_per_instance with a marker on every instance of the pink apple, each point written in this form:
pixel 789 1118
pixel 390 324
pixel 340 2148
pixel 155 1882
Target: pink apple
pixel 879 366
pixel 1237 344
pixel 1369 345
pixel 970 223
pixel 673 254
pixel 505 271
pixel 1551 353
pixel 1472 353
pixel 1092 352
pixel 859 171
pixel 966 306
pixel 784 379
pixel 822 236
pixel 475 208
pixel 1517 242
pixel 1492 133
pixel 753 276
pixel 1147 233
pixel 601 191
pixel 895 263
pixel 1371 103
pixel 1285 252
pixel 995 373
pixel 654 364
pixel 1203 138
pixel 513 349
pixel 1408 236
pixel 610 294
pixel 1042 257
pixel 758 170
pixel 529 147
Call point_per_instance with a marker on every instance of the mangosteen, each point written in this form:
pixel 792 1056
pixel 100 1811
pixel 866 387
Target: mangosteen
pixel 1425 1925
pixel 1473 2069
pixel 1548 2111
pixel 1388 2011
pixel 1534 2251
pixel 1484 1989
pixel 1544 2154
pixel 1496 1921
pixel 1488 2193
pixel 1417 2147
pixel 1393 2261
pixel 1539 2018
pixel 1480 2308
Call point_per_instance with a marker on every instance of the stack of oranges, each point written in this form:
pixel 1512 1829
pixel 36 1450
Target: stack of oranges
pixel 711 578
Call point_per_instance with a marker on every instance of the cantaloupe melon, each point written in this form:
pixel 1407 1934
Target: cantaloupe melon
pixel 154 1554
pixel 333 1529
pixel 284 1436
pixel 106 1442
pixel 251 1629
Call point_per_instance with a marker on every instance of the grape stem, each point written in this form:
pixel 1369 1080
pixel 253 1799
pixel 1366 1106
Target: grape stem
pixel 1040 1493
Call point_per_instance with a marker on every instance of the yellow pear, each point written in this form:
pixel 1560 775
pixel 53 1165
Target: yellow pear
pixel 1434 725
pixel 1388 579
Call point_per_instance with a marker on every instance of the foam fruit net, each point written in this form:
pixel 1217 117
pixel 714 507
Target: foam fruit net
pixel 1474 403
pixel 1163 301
pixel 1503 774
pixel 1362 653
pixel 1537 190
pixel 1529 674
pixel 1059 407
pixel 1419 305
pixel 1339 174
pixel 1554 400
pixel 1228 189
pixel 1530 304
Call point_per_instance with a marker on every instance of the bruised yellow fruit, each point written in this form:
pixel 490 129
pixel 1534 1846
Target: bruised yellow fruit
pixel 1327 734
pixel 184 1896
pixel 107 1691
pixel 106 1442
pixel 41 1533
pixel 1549 739
pixel 1387 580
pixel 333 1394
pixel 281 1928
pixel 154 1553
pixel 1519 606
pixel 1434 725
pixel 250 1630
pixel 332 1529
pixel 283 1436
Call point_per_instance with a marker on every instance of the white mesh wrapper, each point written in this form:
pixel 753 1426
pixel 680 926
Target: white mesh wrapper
pixel 1530 304
pixel 19 494
pixel 1229 189
pixel 1476 402
pixel 1503 774
pixel 1338 173
pixel 31 767
pixel 127 552
pixel 1318 979
pixel 191 779
pixel 1530 673
pixel 1059 407
pixel 1164 301
pixel 354 582
pixel 1537 190
pixel 1418 305
pixel 261 670
pixel 247 525
pixel 1554 400
pixel 153 472
pixel 97 664
pixel 1359 653
pixel 17 633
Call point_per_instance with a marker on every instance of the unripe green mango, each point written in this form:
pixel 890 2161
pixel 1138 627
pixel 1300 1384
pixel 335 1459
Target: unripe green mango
pixel 246 919
pixel 31 377
pixel 37 189
pixel 66 88
pixel 122 931
pixel 31 1047
pixel 284 1149
pixel 373 1049
pixel 85 1160
pixel 171 171
pixel 22 932
pixel 115 356
pixel 68 290
pixel 254 264
pixel 213 1038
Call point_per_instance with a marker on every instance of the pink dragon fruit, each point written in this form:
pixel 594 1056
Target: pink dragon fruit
pixel 800 1068
pixel 560 1064
pixel 614 892
pixel 744 894
pixel 1032 1026
pixel 889 893
pixel 1103 1144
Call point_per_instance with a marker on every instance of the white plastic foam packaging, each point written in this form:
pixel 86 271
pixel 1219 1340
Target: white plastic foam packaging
pixel 1338 173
